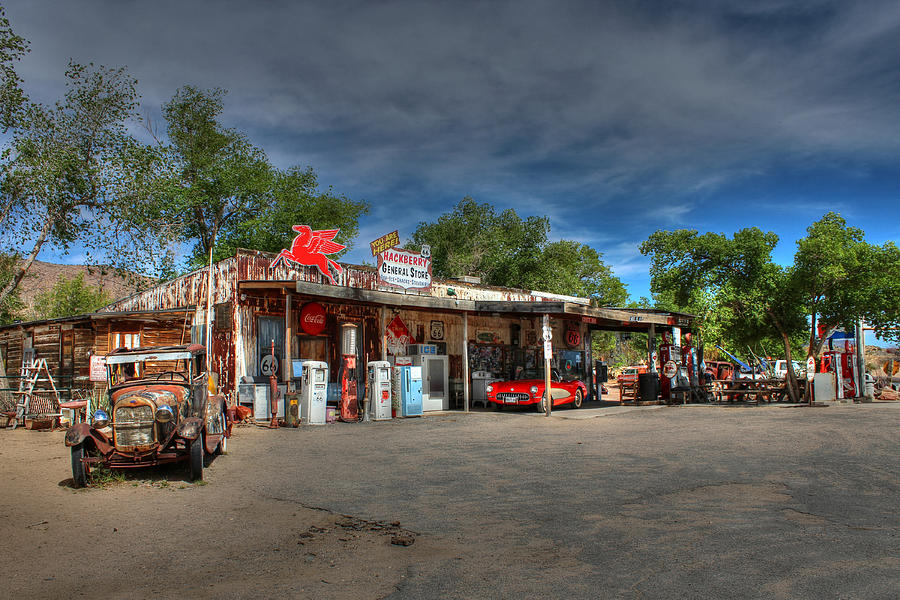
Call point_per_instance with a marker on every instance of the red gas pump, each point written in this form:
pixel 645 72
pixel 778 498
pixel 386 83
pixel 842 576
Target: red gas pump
pixel 349 407
pixel 669 363
pixel 845 370
pixel 274 394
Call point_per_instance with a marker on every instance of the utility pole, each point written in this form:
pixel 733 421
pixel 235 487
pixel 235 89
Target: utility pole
pixel 548 354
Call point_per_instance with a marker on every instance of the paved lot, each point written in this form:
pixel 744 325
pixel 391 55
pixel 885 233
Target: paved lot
pixel 694 502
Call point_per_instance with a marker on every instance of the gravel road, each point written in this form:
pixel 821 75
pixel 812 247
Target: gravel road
pixel 694 502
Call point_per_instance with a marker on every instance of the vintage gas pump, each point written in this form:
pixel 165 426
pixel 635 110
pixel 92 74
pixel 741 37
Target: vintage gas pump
pixel 669 364
pixel 314 392
pixel 349 407
pixel 274 394
pixel 689 360
pixel 379 385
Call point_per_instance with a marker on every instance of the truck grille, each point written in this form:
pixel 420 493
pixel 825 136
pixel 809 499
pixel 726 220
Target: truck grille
pixel 511 398
pixel 134 425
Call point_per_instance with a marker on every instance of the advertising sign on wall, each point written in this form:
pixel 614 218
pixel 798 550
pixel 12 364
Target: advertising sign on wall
pixel 385 242
pixel 312 318
pixel 405 269
pixel 98 368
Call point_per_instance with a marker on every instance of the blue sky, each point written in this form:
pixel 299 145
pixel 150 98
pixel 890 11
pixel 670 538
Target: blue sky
pixel 614 119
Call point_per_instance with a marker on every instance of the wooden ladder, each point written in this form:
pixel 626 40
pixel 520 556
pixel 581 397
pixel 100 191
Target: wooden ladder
pixel 30 377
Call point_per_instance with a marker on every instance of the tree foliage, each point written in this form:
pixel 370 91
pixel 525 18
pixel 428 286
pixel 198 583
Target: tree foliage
pixel 837 279
pixel 507 250
pixel 294 199
pixel 224 193
pixel 11 305
pixel 73 174
pixel 754 298
pixel 841 279
pixel 69 297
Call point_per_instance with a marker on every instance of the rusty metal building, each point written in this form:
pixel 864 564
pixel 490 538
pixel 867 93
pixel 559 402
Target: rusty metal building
pixel 255 306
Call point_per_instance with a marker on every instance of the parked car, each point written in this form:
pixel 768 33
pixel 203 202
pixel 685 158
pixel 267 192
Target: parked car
pixel 528 389
pixel 781 368
pixel 630 374
pixel 160 412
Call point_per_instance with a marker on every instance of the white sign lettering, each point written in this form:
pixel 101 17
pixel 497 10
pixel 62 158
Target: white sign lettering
pixel 405 269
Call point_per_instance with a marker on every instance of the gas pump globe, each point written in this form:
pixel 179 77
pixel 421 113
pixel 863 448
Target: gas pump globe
pixel 349 408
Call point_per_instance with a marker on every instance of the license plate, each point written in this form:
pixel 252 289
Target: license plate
pixel 509 400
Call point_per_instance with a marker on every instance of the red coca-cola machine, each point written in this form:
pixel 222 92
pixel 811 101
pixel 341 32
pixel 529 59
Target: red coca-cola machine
pixel 669 364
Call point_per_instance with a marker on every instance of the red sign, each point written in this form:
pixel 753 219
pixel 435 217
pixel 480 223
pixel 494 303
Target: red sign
pixel 573 338
pixel 309 249
pixel 312 318
pixel 398 337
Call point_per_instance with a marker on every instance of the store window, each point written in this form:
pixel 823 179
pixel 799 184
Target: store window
pixel 269 330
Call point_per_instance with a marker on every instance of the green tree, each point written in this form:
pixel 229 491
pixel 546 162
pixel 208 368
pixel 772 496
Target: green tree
pixel 69 297
pixel 225 194
pixel 73 174
pixel 755 298
pixel 12 305
pixel 294 199
pixel 842 279
pixel 506 250
pixel 12 49
pixel 220 178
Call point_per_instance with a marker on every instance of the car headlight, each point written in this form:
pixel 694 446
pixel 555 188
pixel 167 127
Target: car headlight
pixel 489 388
pixel 164 413
pixel 534 390
pixel 101 419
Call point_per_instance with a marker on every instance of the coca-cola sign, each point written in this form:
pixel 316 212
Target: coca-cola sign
pixel 312 318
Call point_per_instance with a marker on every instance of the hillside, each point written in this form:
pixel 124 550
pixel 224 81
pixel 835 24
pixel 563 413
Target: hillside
pixel 42 275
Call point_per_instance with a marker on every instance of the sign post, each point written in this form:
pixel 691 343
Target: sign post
pixel 548 354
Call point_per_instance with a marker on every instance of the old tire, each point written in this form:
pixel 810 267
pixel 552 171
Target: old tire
pixel 79 471
pixel 541 406
pixel 579 399
pixel 196 459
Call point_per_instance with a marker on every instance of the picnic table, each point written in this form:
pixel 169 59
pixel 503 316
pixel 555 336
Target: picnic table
pixel 749 390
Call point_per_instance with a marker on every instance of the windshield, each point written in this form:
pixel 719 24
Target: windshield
pixel 537 374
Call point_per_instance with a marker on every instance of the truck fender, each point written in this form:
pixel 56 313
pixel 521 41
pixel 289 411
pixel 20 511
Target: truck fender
pixel 190 428
pixel 77 434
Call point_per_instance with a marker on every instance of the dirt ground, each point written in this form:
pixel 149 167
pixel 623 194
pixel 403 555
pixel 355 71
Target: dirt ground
pixel 700 502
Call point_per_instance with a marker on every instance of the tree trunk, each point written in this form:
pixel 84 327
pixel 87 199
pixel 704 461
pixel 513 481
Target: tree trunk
pixel 793 389
pixel 10 287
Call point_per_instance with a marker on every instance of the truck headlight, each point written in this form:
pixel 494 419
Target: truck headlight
pixel 164 414
pixel 101 419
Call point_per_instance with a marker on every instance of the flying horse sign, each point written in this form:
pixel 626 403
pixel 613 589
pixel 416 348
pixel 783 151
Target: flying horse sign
pixel 310 247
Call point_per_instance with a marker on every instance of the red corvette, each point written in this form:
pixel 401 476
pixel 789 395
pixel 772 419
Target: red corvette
pixel 529 389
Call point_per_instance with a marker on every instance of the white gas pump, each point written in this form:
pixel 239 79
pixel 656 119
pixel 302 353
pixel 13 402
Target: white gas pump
pixel 314 392
pixel 379 374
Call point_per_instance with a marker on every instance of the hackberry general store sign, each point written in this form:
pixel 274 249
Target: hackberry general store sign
pixel 405 269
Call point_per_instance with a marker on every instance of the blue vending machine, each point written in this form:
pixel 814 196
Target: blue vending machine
pixel 410 388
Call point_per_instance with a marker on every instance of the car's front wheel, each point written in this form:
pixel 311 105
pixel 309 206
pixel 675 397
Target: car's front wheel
pixel 542 405
pixel 79 470
pixel 579 399
pixel 196 459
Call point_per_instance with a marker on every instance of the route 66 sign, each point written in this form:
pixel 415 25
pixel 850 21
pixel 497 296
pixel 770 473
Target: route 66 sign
pixel 573 338
pixel 268 366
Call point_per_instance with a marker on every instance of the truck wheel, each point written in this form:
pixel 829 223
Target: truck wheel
pixel 579 400
pixel 222 448
pixel 79 471
pixel 196 458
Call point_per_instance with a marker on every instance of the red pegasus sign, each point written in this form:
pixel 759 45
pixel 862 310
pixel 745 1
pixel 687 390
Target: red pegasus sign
pixel 309 249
